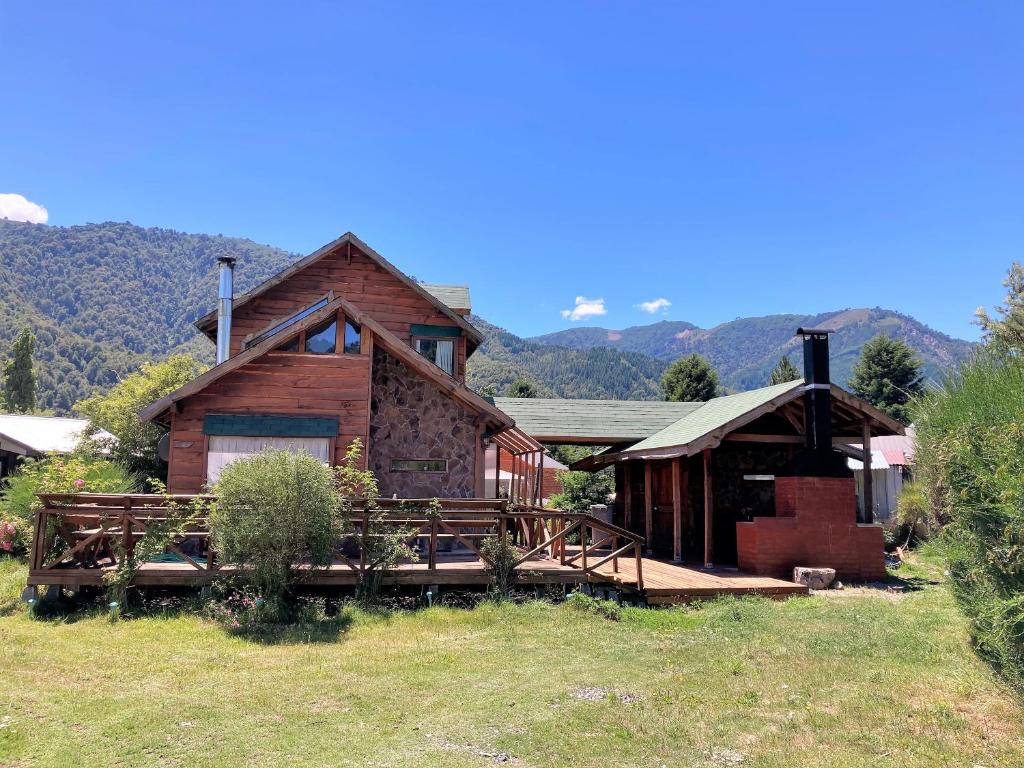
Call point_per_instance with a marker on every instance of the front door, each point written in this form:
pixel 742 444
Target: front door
pixel 662 517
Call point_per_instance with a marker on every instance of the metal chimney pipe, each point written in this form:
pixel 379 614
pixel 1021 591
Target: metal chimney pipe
pixel 225 298
pixel 817 394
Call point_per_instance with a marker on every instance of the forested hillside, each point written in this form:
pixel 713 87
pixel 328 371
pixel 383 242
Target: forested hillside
pixel 596 373
pixel 103 298
pixel 745 350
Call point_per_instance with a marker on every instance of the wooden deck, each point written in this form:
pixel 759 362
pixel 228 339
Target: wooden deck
pixel 95 530
pixel 668 583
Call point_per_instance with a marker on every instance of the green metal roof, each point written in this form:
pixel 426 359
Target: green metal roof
pixel 712 415
pixel 452 296
pixel 607 421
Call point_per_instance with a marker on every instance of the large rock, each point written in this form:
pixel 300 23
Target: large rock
pixel 814 578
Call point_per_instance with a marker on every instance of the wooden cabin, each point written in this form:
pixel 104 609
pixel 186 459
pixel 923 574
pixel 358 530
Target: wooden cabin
pixel 729 482
pixel 341 345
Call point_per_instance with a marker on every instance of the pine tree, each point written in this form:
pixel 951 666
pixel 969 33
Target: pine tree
pixel 19 395
pixel 888 375
pixel 1007 331
pixel 690 379
pixel 783 372
pixel 521 387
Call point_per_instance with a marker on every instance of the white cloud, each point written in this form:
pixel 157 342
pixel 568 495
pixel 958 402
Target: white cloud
pixel 585 308
pixel 18 208
pixel 657 305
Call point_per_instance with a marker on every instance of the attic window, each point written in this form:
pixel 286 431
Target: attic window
pixel 441 352
pixel 285 324
pixel 322 340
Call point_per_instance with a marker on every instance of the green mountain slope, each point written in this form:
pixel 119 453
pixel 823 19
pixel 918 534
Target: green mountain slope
pixel 102 298
pixel 745 350
pixel 596 372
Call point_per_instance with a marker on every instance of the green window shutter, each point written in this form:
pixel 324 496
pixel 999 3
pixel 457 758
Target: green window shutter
pixel 418 329
pixel 245 425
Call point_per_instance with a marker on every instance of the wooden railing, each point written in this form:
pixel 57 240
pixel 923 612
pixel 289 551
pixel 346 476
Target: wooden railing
pixel 91 530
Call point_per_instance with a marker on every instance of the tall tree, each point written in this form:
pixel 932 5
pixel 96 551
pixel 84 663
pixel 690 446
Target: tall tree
pixel 19 379
pixel 784 371
pixel 690 379
pixel 117 412
pixel 888 375
pixel 521 387
pixel 1006 332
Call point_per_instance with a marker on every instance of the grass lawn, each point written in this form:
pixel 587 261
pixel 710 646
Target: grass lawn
pixel 844 680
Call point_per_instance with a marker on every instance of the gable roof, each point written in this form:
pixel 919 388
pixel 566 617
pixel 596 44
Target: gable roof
pixel 597 422
pixel 37 435
pixel 715 414
pixel 207 323
pixel 453 296
pixel 392 343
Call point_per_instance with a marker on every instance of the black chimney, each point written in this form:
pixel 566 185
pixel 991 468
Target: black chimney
pixel 818 458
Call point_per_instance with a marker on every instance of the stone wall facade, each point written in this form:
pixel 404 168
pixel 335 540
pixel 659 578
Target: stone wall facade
pixel 410 418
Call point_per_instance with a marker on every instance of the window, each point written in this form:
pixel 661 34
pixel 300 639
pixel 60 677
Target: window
pixel 322 340
pixel 419 465
pixel 225 449
pixel 290 346
pixel 285 324
pixel 353 339
pixel 441 352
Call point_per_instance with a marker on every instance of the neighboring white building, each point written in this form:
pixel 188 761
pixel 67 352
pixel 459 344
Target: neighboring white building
pixel 33 436
pixel 891 459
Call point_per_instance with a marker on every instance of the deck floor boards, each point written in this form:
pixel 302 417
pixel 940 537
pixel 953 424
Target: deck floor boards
pixel 664 582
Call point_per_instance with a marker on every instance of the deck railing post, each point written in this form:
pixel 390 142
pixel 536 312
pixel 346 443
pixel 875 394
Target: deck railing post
pixel 615 548
pixel 639 567
pixel 365 540
pixel 126 527
pixel 432 547
pixel 583 542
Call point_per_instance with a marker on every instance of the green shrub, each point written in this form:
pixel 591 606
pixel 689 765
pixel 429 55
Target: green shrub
pixel 503 556
pixel 606 609
pixel 914 514
pixel 970 458
pixel 276 516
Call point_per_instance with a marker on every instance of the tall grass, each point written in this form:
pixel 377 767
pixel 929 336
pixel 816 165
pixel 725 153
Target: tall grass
pixel 971 457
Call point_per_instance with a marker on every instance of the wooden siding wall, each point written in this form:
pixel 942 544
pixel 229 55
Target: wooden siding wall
pixel 375 291
pixel 281 383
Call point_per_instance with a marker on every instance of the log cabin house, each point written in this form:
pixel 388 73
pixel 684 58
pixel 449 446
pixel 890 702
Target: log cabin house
pixel 339 346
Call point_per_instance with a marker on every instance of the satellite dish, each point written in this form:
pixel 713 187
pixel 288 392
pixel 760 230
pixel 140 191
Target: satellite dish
pixel 163 447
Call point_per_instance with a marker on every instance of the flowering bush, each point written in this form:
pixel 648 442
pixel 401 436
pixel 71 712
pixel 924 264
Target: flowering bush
pixel 73 473
pixel 14 536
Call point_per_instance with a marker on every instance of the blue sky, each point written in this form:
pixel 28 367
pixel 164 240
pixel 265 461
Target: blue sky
pixel 734 159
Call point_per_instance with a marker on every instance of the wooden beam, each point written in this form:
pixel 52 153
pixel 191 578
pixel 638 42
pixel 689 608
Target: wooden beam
pixel 677 511
pixel 648 504
pixel 687 503
pixel 869 491
pixel 497 471
pixel 627 482
pixel 708 508
pixel 478 463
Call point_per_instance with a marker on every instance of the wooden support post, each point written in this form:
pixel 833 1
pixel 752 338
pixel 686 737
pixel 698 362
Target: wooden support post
pixel 869 489
pixel 540 483
pixel 648 504
pixel 497 471
pixel 677 511
pixel 708 509
pixel 627 495
pixel 478 463
pixel 639 568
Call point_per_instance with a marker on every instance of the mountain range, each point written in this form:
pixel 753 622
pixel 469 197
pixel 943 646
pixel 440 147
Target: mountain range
pixel 103 298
